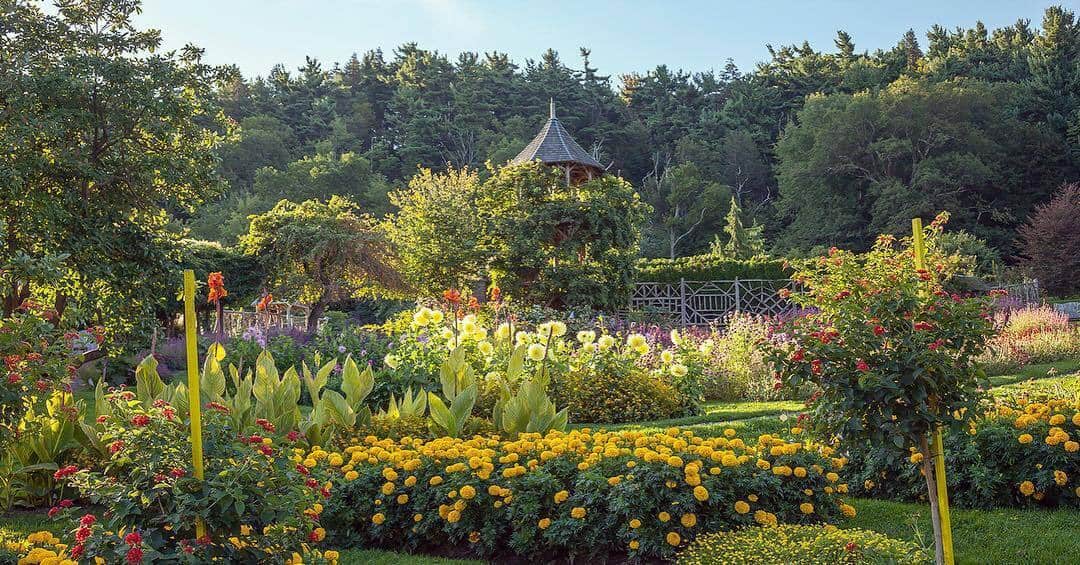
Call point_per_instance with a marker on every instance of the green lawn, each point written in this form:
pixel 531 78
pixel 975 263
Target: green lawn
pixel 1038 371
pixel 981 536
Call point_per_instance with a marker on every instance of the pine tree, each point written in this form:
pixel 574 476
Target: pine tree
pixel 743 242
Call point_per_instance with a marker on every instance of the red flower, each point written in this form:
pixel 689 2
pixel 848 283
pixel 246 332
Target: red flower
pixel 842 294
pixel 177 472
pixel 159 403
pixel 115 447
pixel 140 420
pixel 936 344
pixel 451 295
pixel 861 365
pixel 784 293
pixel 217 406
pixel 54 511
pixel 42 385
pixel 14 378
pixel 293 435
pixel 102 419
pixel 851 546
pixel 216 282
pixel 134 555
pixel 65 472
pixel 266 450
pixel 77 551
pixel 87 520
pixel 205 540
pixel 496 294
pixel 799 355
pixel 924 275
pixel 302 469
pixel 313 536
pixel 265 424
pixel 815 366
pixel 82 534
pixel 169 413
pixel 67 503
pixel 133 538
pixel 878 330
pixel 924 326
pixel 474 304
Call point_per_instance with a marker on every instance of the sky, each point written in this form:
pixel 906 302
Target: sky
pixel 624 36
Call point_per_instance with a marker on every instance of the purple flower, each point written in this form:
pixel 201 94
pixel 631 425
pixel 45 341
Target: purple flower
pixel 341 349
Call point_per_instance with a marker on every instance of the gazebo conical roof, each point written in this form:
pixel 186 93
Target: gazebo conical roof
pixel 554 146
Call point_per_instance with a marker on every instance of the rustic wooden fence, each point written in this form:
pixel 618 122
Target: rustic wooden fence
pixel 695 303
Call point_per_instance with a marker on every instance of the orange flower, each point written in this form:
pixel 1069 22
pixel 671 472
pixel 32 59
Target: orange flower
pixel 264 302
pixel 216 282
pixel 496 294
pixel 453 296
pixel 474 304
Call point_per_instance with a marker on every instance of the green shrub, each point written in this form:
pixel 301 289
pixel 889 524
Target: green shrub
pixel 1023 451
pixel 569 495
pixel 612 393
pixel 710 267
pixel 396 428
pixel 806 545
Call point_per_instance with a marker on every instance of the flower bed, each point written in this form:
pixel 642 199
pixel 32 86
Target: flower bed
pixel 806 545
pixel 580 493
pixel 1030 335
pixel 1023 451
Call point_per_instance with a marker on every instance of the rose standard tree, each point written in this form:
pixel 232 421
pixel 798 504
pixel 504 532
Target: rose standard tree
pixel 891 352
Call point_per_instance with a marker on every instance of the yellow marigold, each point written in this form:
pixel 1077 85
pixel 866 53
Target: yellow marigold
pixel 613 481
pixel 561 496
pixel 577 512
pixel 847 510
pixel 634 544
pixel 763 464
pixel 1076 419
pixel 1057 419
pixel 800 472
pixel 402 498
pixel 1027 488
pixel 378 518
pixel 543 523
pixel 635 523
pixel 1061 478
pixel 1025 438
pixel 410 480
pixel 351 476
pixel 1072 446
pixel 389 474
pixel 453 516
pixel 833 477
pixel 417 517
pixel 688 520
pixel 916 458
pixel 664 516
pixel 806 508
pixel 752 498
pixel 435 481
pixel 729 432
pixel 742 507
pixel 675 461
pixel 765 518
pixel 388 488
pixel 701 494
pixel 467 492
pixel 673 538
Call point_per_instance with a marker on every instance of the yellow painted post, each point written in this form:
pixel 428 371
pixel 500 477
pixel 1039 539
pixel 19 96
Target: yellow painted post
pixel 194 398
pixel 936 445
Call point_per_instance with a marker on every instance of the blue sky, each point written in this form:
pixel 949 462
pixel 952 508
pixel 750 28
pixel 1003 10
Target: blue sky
pixel 624 35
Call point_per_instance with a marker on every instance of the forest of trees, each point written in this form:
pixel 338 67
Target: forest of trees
pixel 819 148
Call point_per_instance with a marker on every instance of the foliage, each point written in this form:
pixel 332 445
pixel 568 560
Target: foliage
pixel 36 361
pixel 1050 244
pixel 243 274
pixel 320 252
pixel 1027 336
pixel 525 230
pixel 732 360
pixel 893 354
pixel 252 501
pixel 743 242
pixel 104 134
pixel 685 204
pixel 579 494
pixel 1020 451
pixel 48 436
pixel 788 543
pixel 710 267
pixel 979 259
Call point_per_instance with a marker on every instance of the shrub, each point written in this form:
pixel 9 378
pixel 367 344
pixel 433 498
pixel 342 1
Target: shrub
pixel 252 501
pixel 1050 242
pixel 1021 451
pixel 733 361
pixel 807 545
pixel 710 267
pixel 572 494
pixel 1030 335
pixel 36 360
pixel 612 393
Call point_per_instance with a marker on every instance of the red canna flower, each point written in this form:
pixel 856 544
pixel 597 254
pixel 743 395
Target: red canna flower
pixel 216 282
pixel 496 294
pixel 264 302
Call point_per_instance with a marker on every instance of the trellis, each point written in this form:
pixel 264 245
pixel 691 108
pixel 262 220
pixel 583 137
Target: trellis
pixel 694 303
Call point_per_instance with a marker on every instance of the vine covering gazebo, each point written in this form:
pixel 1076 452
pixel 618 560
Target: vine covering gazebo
pixel 554 146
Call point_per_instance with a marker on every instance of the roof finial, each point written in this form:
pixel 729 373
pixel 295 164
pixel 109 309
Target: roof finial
pixel 551 101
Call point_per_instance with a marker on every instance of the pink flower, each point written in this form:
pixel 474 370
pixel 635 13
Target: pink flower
pixel 861 365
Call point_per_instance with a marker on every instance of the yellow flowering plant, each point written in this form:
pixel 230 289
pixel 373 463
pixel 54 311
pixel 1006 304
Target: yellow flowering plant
pixel 803 544
pixel 578 493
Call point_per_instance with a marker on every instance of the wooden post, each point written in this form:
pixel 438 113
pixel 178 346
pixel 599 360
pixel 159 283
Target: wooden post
pixel 194 397
pixel 683 318
pixel 937 449
pixel 738 295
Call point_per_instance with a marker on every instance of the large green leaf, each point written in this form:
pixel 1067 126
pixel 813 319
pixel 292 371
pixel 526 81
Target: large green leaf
pixel 148 384
pixel 356 384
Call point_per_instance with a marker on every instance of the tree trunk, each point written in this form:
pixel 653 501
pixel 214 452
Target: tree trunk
pixel 316 312
pixel 931 491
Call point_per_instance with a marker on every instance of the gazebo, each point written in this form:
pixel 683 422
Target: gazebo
pixel 554 147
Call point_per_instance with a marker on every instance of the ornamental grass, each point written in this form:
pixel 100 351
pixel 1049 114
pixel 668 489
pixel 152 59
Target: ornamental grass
pixel 563 495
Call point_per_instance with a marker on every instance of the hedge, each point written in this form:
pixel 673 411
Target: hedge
pixel 710 267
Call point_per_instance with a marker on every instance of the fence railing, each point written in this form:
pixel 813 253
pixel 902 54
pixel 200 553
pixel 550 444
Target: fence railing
pixel 693 303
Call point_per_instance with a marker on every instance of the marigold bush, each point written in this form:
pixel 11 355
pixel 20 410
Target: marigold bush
pixel 806 545
pixel 580 493
pixel 1023 451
